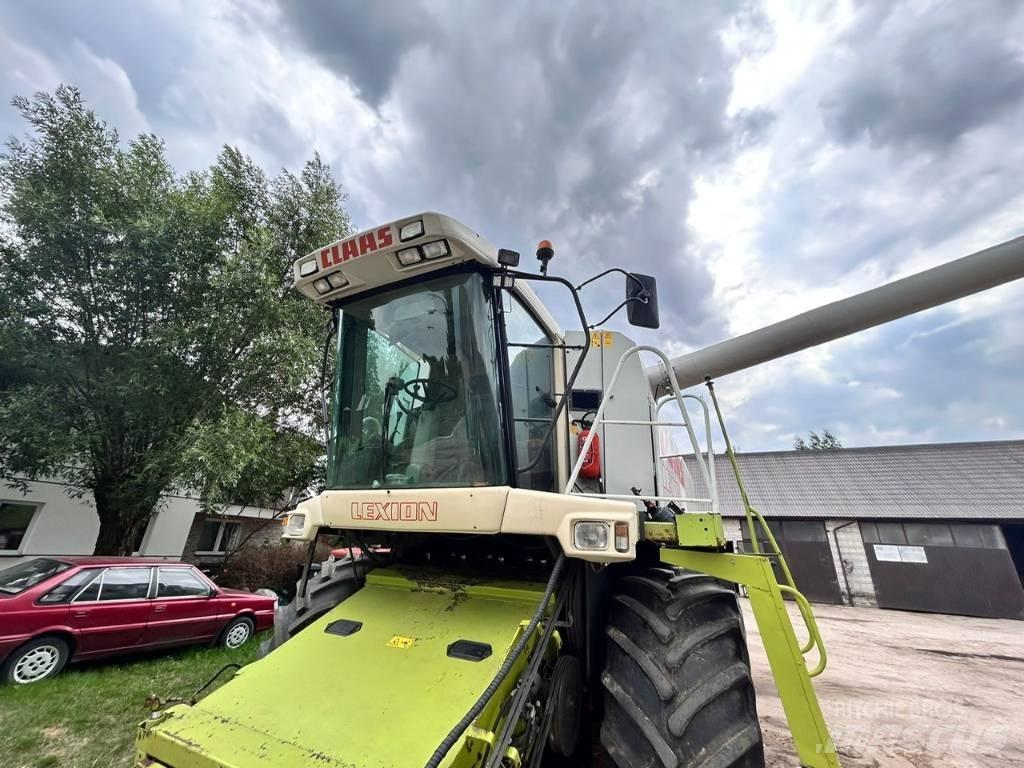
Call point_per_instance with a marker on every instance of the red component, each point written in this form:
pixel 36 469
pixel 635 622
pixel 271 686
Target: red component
pixel 591 469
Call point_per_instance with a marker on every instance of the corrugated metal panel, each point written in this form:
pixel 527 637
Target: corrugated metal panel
pixel 945 480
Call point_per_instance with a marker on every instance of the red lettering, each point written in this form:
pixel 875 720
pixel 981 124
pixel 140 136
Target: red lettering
pixel 324 262
pixel 335 255
pixel 384 237
pixel 367 244
pixel 349 250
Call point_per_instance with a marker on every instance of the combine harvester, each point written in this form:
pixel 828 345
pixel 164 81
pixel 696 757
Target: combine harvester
pixel 533 587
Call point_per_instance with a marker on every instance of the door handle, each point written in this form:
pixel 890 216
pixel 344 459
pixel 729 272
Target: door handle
pixel 159 608
pixel 79 614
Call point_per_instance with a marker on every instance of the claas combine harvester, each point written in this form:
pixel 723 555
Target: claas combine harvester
pixel 528 581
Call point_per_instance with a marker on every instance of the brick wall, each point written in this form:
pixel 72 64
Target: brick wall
pixel 851 562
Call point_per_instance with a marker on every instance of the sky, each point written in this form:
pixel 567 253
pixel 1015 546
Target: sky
pixel 759 158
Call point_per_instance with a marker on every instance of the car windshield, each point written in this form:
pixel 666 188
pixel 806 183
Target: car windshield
pixel 22 576
pixel 416 390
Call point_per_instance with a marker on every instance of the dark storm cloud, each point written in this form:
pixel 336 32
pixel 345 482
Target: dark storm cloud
pixel 584 123
pixel 361 42
pixel 926 77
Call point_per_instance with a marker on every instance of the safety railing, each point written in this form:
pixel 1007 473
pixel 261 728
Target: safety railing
pixel 675 396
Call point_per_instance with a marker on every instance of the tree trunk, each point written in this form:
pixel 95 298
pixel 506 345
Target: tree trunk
pixel 122 510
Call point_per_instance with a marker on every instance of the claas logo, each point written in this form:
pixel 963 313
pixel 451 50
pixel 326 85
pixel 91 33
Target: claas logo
pixel 355 247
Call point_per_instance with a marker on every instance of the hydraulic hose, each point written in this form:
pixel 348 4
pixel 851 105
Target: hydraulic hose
pixel 449 741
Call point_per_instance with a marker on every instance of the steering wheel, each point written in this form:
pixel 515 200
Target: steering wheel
pixel 427 391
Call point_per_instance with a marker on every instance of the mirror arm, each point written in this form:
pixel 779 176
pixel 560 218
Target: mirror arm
pixel 598 276
pixel 643 298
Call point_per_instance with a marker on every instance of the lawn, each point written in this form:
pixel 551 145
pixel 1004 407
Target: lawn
pixel 86 716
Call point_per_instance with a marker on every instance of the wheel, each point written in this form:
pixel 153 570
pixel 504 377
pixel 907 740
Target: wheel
pixel 36 660
pixel 567 700
pixel 237 633
pixel 677 686
pixel 323 593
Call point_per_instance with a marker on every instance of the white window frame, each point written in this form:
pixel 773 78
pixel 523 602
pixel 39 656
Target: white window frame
pixel 219 540
pixel 28 528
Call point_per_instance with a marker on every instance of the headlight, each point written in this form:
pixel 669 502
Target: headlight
pixel 408 256
pixel 590 536
pixel 295 525
pixel 337 280
pixel 436 249
pixel 411 230
pixel 322 286
pixel 308 268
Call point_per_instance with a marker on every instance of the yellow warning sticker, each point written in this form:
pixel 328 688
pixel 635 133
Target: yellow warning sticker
pixel 601 339
pixel 607 339
pixel 595 339
pixel 400 642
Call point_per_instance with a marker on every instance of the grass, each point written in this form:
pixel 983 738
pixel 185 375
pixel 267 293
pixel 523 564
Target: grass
pixel 86 716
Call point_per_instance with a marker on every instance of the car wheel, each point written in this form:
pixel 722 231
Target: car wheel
pixel 36 660
pixel 237 633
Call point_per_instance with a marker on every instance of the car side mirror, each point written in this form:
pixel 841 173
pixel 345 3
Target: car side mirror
pixel 642 300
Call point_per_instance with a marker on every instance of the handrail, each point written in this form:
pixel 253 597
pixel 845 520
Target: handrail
pixel 814 637
pixel 713 489
pixel 599 416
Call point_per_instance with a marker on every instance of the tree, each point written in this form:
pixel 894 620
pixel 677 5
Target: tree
pixel 826 441
pixel 145 314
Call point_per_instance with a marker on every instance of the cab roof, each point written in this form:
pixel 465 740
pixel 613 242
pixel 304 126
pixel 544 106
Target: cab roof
pixel 398 251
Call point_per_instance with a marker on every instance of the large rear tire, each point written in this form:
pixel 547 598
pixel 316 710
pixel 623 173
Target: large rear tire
pixel 677 686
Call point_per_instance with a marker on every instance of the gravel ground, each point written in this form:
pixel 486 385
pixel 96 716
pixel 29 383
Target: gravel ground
pixel 908 690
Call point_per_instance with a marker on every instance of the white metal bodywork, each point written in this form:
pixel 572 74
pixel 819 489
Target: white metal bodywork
pixel 368 260
pixel 485 510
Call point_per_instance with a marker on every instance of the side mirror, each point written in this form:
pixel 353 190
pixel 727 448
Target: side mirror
pixel 642 300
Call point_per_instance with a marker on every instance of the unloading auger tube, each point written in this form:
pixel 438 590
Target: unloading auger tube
pixel 971 274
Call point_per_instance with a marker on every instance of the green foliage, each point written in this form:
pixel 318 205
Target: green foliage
pixel 826 441
pixel 145 315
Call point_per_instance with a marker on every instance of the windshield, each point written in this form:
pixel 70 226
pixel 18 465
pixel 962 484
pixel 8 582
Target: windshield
pixel 20 577
pixel 416 389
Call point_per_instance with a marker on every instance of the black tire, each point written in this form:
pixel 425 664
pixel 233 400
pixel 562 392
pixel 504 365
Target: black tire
pixel 233 635
pixel 39 659
pixel 323 594
pixel 677 686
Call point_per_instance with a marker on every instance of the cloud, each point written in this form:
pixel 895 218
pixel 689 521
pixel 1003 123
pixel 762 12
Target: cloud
pixel 362 42
pixel 759 157
pixel 925 73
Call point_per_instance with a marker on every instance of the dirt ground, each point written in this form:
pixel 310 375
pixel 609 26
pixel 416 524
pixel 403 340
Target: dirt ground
pixel 908 690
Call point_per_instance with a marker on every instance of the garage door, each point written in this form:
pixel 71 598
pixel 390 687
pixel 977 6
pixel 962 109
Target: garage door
pixel 960 568
pixel 804 543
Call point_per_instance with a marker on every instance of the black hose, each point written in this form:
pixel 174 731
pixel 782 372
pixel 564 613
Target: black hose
pixel 506 667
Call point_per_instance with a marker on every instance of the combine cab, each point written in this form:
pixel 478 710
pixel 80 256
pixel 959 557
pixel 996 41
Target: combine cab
pixel 528 583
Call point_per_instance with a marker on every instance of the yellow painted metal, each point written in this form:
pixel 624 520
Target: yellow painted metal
pixel 792 679
pixel 700 529
pixel 366 699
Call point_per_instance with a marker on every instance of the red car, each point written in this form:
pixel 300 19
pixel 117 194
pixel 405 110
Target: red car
pixel 55 610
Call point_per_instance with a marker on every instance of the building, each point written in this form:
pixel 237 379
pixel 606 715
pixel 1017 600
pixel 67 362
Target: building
pixel 936 528
pixel 46 520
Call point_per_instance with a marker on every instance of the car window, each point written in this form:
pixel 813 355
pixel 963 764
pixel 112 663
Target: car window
pixel 22 576
pixel 125 584
pixel 181 582
pixel 69 587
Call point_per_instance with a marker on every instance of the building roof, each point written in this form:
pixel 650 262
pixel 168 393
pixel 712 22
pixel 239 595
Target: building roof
pixel 941 480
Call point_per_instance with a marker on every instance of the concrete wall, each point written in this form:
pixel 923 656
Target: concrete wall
pixel 850 559
pixel 851 562
pixel 64 525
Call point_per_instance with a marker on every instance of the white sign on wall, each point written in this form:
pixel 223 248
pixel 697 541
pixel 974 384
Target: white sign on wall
pixel 890 553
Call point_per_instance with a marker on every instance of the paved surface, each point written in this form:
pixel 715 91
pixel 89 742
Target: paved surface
pixel 908 690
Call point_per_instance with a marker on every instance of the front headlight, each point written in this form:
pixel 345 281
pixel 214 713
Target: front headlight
pixel 295 525
pixel 591 536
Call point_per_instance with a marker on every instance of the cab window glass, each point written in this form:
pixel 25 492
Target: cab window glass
pixel 531 378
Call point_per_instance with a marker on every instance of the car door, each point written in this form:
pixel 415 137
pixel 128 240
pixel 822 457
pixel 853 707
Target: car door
pixel 112 612
pixel 184 608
